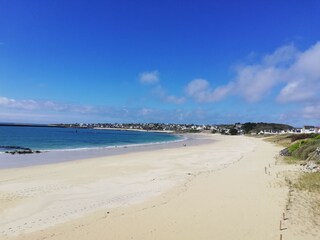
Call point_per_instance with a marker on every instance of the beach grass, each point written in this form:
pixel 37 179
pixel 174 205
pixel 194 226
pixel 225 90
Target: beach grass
pixel 290 160
pixel 305 148
pixel 281 140
pixel 308 182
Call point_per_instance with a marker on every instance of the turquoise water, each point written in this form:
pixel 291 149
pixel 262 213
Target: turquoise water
pixel 49 138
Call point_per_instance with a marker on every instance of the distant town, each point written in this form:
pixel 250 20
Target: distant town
pixel 228 129
pixel 231 129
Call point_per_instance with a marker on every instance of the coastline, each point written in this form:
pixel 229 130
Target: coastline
pixel 211 190
pixel 44 139
pixel 66 155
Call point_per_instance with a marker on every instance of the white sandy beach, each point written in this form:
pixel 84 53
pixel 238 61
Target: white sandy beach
pixel 216 190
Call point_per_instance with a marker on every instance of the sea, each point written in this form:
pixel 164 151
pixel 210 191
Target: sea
pixel 57 139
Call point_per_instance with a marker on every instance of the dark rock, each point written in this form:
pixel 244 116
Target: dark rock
pixel 26 151
pixel 285 152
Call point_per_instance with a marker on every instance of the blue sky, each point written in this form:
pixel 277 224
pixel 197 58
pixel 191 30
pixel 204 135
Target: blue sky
pixel 160 61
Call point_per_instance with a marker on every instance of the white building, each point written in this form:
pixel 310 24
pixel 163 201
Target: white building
pixel 308 129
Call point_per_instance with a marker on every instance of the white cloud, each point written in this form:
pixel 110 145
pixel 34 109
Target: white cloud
pixel 303 77
pixel 281 56
pixel 6 101
pixel 35 105
pixel 158 90
pixel 197 88
pixel 298 72
pixel 149 77
pixel 174 99
pixel 201 91
pixel 254 81
pixel 162 94
pixel 22 104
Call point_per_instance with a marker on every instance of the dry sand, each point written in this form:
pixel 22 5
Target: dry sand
pixel 217 190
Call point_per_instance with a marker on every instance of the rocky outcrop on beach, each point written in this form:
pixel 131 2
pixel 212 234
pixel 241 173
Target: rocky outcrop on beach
pixel 18 150
pixel 285 152
pixel 313 162
pixel 22 152
pixel 310 166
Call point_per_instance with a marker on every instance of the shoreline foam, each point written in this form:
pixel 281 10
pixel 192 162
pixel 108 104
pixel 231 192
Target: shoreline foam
pixel 181 139
pixel 59 156
pixel 137 130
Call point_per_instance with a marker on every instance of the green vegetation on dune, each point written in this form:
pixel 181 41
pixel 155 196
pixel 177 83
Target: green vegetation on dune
pixel 296 137
pixel 303 146
pixel 306 148
pixel 294 146
pixel 282 140
pixel 299 147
